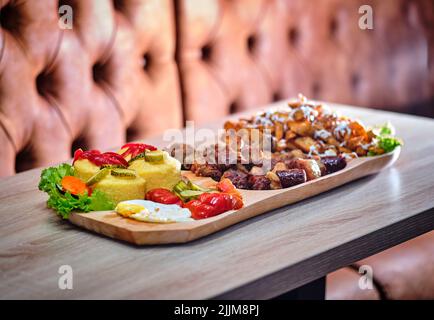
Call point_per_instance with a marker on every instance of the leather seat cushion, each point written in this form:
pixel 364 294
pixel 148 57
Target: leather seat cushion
pixel 405 271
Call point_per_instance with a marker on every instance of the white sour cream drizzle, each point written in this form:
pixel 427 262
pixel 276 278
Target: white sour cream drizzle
pixel 366 146
pixel 341 129
pixel 312 149
pixel 323 134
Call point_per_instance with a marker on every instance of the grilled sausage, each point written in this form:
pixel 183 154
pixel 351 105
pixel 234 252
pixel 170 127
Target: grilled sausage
pixel 333 164
pixel 289 178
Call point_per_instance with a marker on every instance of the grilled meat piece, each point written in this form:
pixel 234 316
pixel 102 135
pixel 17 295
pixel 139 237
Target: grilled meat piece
pixel 260 182
pixel 239 178
pixel 333 164
pixel 311 167
pixel 292 177
pixel 208 170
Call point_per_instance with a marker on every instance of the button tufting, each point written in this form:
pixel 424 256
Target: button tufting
pixel 44 84
pixel 316 90
pixel 80 142
pixel 293 36
pixel 355 81
pixel 233 107
pixel 147 61
pixel 251 43
pixel 118 5
pixel 98 72
pixel 333 28
pixel 9 18
pixel 206 52
pixel 276 97
pixel 25 159
pixel 132 134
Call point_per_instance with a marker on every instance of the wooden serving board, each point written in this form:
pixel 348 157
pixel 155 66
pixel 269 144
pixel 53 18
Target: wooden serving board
pixel 256 202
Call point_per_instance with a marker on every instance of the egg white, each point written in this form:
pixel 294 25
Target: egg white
pixel 159 213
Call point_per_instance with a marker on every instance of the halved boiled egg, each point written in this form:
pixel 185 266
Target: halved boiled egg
pixel 149 211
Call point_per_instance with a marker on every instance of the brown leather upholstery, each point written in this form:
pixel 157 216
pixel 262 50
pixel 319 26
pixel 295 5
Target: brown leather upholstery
pixel 344 285
pixel 241 54
pixel 93 85
pixel 405 271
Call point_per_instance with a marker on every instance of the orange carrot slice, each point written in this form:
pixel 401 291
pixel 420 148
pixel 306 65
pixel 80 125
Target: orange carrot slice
pixel 74 185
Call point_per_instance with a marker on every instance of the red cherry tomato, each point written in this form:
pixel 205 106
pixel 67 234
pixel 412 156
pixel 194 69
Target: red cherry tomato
pixel 134 149
pixel 163 196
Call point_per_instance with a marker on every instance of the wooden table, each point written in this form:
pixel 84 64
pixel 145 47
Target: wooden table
pixel 259 258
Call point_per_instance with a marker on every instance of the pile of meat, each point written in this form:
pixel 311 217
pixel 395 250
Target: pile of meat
pixel 287 169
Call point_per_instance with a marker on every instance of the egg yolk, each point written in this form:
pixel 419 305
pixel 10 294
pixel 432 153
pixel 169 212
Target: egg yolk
pixel 128 209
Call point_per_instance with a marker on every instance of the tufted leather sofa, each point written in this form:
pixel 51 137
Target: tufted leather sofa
pixel 235 55
pixel 56 85
pixel 143 66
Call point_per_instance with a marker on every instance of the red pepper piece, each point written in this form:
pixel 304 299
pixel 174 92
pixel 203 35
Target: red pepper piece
pixel 99 159
pixel 200 210
pixel 134 149
pixel 210 204
pixel 226 186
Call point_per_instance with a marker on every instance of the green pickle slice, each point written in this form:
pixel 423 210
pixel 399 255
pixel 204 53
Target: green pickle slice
pixel 123 173
pixel 97 177
pixel 139 156
pixel 154 156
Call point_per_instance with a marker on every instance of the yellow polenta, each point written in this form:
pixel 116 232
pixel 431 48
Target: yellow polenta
pixel 122 188
pixel 84 169
pixel 116 188
pixel 164 174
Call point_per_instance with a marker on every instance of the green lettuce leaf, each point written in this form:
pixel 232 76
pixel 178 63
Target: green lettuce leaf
pixel 388 143
pixel 385 138
pixel 64 202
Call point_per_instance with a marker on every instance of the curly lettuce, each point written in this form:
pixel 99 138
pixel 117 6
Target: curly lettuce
pixel 385 139
pixel 64 202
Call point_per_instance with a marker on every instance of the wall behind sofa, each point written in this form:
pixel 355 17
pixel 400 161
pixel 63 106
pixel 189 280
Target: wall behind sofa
pixel 133 68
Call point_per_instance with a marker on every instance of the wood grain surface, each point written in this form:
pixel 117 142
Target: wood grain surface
pixel 258 258
pixel 109 223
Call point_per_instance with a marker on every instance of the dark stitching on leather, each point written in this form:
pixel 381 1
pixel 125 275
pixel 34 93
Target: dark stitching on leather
pixel 265 6
pixel 262 67
pixel 56 52
pixel 3 46
pixel 221 83
pixel 211 35
pixel 52 101
pixel 105 87
pixel 215 28
pixel 17 36
pixel 110 45
pixel 177 14
pixel 8 136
